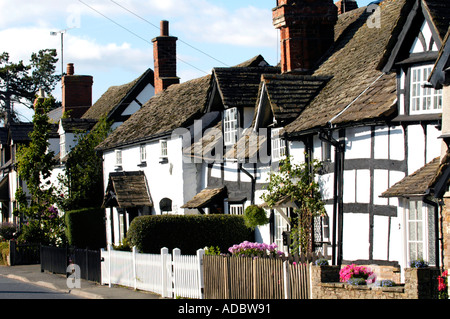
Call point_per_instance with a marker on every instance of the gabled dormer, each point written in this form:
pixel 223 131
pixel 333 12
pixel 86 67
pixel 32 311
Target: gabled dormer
pixel 234 92
pixel 413 57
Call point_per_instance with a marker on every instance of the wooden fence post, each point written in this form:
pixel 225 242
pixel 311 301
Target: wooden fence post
pixel 176 252
pixel 200 254
pixel 134 267
pixel 287 280
pixel 164 253
pixel 109 264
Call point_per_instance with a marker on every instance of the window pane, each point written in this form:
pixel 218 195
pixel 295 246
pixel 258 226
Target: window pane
pixel 412 210
pixel 230 126
pixel 412 251
pixel 422 97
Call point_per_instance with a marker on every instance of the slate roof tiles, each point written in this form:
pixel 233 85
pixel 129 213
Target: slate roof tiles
pixel 352 63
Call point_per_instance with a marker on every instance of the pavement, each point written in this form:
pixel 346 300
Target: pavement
pixel 89 290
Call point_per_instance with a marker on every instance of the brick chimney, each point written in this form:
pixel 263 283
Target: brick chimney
pixel 346 6
pixel 165 59
pixel 76 93
pixel 306 32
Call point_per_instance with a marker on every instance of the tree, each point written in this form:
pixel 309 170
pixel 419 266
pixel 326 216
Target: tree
pixel 34 166
pixel 19 82
pixel 297 183
pixel 82 181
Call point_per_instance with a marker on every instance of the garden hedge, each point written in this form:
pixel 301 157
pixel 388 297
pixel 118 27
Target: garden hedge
pixel 85 228
pixel 187 232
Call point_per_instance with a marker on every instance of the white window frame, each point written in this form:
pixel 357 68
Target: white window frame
pixel 416 230
pixel 281 225
pixel 278 145
pixel 230 126
pixel 163 149
pixel 143 153
pixel 118 157
pixel 236 209
pixel 62 146
pixel 423 98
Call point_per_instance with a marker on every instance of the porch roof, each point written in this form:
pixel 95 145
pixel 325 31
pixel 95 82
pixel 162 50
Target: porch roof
pixel 127 189
pixel 205 197
pixel 416 184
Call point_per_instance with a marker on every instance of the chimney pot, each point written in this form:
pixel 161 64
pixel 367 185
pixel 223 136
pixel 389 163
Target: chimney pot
pixel 164 28
pixel 76 93
pixel 70 69
pixel 306 32
pixel 165 59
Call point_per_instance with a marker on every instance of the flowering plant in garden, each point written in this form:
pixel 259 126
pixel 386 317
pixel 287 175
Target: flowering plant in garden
pixel 350 273
pixel 442 286
pixel 249 249
pixel 418 263
pixel 321 262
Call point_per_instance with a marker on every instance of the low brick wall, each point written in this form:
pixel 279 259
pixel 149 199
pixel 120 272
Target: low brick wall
pixel 419 284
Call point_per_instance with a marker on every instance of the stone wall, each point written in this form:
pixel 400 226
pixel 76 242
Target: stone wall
pixel 419 284
pixel 446 232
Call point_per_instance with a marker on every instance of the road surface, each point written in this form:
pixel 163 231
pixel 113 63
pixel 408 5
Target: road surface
pixel 16 289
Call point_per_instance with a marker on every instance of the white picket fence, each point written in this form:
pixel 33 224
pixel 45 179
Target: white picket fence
pixel 169 275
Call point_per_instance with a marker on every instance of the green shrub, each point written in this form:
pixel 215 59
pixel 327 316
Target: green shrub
pixel 4 252
pixel 85 228
pixel 189 233
pixel 255 216
pixel 7 231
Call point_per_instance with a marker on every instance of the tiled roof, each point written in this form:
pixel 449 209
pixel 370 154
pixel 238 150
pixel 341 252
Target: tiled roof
pixel 417 183
pixel 113 97
pixel 19 132
pixel 129 188
pixel 289 94
pixel 178 105
pixel 205 197
pixel 238 86
pixel 75 125
pixel 439 11
pixel 356 84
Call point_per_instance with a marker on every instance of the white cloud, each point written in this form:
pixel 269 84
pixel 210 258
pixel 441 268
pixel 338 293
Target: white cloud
pixel 114 56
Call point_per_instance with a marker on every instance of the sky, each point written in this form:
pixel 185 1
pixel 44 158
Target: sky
pixel 111 39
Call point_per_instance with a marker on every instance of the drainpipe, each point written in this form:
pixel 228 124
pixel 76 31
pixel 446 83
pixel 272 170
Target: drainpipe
pixel 338 205
pixel 242 169
pixel 430 202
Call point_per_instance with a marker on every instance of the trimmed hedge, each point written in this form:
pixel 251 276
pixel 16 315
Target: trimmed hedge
pixel 85 228
pixel 187 232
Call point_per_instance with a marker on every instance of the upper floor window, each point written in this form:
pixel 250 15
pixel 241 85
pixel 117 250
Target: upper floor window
pixel 163 146
pixel 278 145
pixel 118 154
pixel 230 126
pixel 142 153
pixel 424 99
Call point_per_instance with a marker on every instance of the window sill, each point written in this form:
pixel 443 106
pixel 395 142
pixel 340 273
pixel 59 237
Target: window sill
pixel 142 164
pixel 418 117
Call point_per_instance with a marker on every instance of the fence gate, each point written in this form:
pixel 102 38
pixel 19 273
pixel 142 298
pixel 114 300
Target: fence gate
pixel 231 277
pixel 23 254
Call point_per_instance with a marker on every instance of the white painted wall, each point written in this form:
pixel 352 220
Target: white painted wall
pixel 175 179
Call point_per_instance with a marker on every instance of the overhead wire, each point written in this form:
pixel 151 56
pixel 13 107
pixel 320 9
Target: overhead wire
pixel 157 27
pixel 137 35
